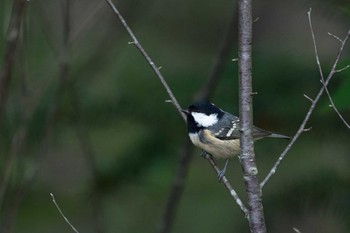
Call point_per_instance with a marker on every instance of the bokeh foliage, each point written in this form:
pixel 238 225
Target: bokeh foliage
pixel 110 105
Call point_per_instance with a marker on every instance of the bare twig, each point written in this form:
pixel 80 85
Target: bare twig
pixel 61 213
pixel 296 230
pixel 155 69
pixel 308 114
pixel 342 69
pixel 331 34
pixel 309 98
pixel 148 58
pixel 320 68
pixel 247 157
pixel 229 188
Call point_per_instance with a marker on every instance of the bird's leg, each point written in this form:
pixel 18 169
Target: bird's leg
pixel 205 154
pixel 222 172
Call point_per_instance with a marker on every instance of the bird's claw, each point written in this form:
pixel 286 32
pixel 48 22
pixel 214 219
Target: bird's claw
pixel 221 174
pixel 205 154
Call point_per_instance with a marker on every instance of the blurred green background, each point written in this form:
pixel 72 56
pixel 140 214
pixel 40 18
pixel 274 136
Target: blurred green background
pixel 99 135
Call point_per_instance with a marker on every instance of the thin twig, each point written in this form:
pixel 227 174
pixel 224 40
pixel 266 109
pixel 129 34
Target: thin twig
pixel 229 188
pixel 159 75
pixel 296 230
pixel 320 68
pixel 148 58
pixel 309 98
pixel 61 213
pixel 311 109
pixel 331 34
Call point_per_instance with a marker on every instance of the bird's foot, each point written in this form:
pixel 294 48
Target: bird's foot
pixel 205 154
pixel 221 173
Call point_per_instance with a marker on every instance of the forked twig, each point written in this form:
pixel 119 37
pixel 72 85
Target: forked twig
pixel 311 109
pixel 171 95
pixel 61 213
pixel 342 42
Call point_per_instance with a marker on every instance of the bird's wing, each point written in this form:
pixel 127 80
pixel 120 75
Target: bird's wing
pixel 228 129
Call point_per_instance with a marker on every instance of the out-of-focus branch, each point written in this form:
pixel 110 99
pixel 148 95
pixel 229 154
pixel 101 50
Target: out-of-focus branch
pixel 177 188
pixel 10 49
pixel 320 69
pixel 247 156
pixel 225 48
pixel 157 72
pixel 19 137
pixel 82 133
pixel 310 111
pixel 205 92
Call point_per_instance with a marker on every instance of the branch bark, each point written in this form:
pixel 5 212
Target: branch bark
pixel 247 157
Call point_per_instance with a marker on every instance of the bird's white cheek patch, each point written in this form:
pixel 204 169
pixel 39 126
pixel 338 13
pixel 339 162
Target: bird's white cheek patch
pixel 205 120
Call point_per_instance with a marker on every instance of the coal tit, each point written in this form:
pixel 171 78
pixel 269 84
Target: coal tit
pixel 216 132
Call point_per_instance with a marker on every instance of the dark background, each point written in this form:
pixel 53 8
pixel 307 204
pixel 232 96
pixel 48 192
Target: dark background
pixel 100 136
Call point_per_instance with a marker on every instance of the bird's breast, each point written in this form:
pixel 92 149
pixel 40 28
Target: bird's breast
pixel 218 148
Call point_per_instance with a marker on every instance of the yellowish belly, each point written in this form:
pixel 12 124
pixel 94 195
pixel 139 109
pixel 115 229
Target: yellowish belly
pixel 224 149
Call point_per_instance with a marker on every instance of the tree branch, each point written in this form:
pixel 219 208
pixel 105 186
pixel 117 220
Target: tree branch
pixel 311 109
pixel 10 49
pixel 205 92
pixel 159 75
pixel 247 157
pixel 177 188
pixel 61 213
pixel 320 68
pixel 20 135
pixel 148 59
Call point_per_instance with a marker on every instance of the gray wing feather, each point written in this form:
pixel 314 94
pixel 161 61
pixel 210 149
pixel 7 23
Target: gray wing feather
pixel 228 129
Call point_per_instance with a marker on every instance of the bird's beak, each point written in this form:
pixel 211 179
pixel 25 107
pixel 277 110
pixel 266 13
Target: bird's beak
pixel 185 111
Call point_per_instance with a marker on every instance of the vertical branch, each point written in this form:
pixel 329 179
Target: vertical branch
pixel 247 157
pixel 205 92
pixel 177 188
pixel 17 16
pixel 12 40
pixel 224 50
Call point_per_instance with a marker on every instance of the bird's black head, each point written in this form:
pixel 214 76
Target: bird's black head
pixel 202 114
pixel 205 107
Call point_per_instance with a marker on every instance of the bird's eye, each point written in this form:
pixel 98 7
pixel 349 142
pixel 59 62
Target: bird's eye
pixel 192 109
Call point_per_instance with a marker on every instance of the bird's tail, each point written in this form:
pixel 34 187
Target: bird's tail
pixel 275 135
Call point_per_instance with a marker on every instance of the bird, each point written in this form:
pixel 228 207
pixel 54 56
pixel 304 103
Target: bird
pixel 217 132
